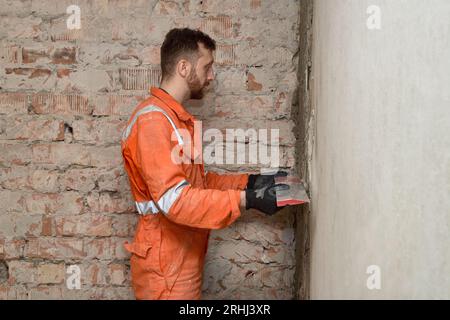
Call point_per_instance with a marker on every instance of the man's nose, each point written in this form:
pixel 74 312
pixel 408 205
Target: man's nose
pixel 211 75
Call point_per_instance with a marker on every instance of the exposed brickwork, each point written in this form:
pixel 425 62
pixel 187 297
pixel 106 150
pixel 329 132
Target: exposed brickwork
pixel 65 96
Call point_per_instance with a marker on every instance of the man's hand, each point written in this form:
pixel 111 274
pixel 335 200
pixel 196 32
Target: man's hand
pixel 264 199
pixel 258 181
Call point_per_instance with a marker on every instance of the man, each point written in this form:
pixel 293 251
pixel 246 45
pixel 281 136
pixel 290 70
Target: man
pixel 179 204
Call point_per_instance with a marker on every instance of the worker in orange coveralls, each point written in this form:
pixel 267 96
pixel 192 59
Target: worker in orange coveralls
pixel 178 203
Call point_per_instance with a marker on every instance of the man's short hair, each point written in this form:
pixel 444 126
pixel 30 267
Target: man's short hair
pixel 182 44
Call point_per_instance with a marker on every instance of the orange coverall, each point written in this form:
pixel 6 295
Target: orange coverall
pixel 179 204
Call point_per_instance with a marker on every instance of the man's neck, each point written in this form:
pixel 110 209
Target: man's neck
pixel 179 94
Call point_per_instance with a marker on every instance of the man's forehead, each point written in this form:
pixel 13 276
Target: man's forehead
pixel 206 55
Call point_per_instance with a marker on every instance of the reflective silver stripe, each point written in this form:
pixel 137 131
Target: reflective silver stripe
pixel 165 203
pixel 145 110
pixel 171 195
pixel 146 207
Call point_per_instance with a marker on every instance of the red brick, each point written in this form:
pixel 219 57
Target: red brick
pixel 62 34
pixel 128 56
pixel 41 203
pixel 20 225
pixel 48 226
pixel 30 72
pixel 114 293
pixel 4 292
pixel 28 225
pixel 46 293
pixel 44 180
pixel 220 26
pixel 113 55
pixel 286 128
pixel 10 54
pixel 29 128
pixel 255 4
pixel 39 72
pixel 23 178
pixel 124 225
pixel 61 154
pixel 106 248
pixel 252 84
pixel 263 107
pixel 116 104
pixel 89 224
pixel 114 180
pixel 11 201
pixel 25 27
pixel 109 180
pixel 42 153
pixel 33 55
pixel 13 102
pixel 21 272
pixel 110 203
pixel 100 131
pixel 106 157
pixel 47 103
pixel 151 55
pixel 62 72
pixel 225 55
pixel 93 274
pixel 79 179
pixel 16 292
pixel 140 27
pixel 55 248
pixel 66 154
pixel 50 273
pixel 244 107
pixel 138 78
pixel 283 104
pixel 64 56
pixel 165 7
pixel 228 82
pixel 91 80
pixel 19 71
pixel 13 248
pixel 14 178
pixel 68 203
pixel 117 274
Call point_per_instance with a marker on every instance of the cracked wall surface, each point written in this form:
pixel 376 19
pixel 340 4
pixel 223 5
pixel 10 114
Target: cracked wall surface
pixel 65 96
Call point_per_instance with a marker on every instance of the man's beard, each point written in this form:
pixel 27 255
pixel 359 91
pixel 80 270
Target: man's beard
pixel 195 86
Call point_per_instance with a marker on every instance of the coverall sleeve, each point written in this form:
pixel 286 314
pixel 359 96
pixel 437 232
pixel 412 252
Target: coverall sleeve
pixel 169 186
pixel 226 181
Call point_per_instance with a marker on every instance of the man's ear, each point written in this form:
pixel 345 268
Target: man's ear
pixel 184 68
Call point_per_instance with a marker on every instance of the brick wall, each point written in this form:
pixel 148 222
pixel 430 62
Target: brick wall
pixel 65 97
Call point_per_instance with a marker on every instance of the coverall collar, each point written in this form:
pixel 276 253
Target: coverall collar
pixel 181 113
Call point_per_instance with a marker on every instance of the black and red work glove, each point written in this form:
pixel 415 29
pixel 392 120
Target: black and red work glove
pixel 258 181
pixel 264 199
